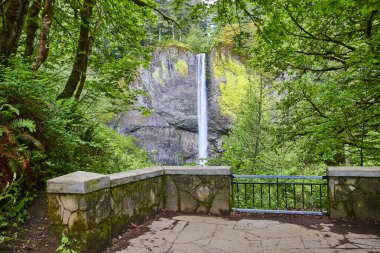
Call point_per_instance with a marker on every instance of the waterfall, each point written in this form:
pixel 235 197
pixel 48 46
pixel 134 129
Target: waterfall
pixel 202 107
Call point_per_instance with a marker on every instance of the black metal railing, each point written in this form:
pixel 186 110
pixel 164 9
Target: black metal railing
pixel 280 194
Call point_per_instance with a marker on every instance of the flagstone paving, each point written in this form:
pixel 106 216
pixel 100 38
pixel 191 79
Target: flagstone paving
pixel 197 234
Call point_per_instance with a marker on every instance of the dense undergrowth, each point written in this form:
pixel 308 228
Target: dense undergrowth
pixel 41 138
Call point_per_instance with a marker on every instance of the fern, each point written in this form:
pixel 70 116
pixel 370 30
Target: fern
pixel 24 123
pixel 8 110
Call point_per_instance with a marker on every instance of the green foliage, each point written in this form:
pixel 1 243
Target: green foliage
pixel 326 56
pixel 24 123
pixel 236 38
pixel 65 245
pixel 177 44
pixel 234 90
pixel 255 145
pixel 42 138
pixel 14 203
pixel 117 153
pixel 198 40
pixel 15 178
pixel 14 200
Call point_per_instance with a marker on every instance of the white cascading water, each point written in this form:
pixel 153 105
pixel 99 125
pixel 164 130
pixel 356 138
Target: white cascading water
pixel 202 108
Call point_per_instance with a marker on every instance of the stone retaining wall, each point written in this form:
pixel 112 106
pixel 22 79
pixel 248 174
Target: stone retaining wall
pixel 354 191
pixel 92 208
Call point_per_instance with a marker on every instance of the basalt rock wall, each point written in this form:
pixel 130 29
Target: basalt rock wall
pixel 170 133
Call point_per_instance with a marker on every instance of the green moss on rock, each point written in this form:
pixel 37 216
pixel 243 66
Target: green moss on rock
pixel 54 209
pixel 182 67
pixel 236 85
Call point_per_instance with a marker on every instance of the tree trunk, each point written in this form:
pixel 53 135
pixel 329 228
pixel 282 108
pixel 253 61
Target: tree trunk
pixel 43 49
pixel 173 31
pixel 361 145
pixel 31 28
pixel 259 116
pixel 347 161
pixel 14 13
pixel 90 43
pixel 80 62
pixel 159 34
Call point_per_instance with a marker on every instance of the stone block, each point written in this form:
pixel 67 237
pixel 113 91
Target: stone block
pixel 78 182
pixel 350 181
pixel 135 175
pixel 65 217
pixel 342 192
pixel 171 195
pixel 197 170
pixel 93 240
pixel 187 204
pixel 370 185
pixel 366 205
pixel 89 200
pixel 69 202
pixel 78 221
pixel 202 209
pixel 102 210
pixel 221 203
pixel 127 207
pixel 353 171
pixel 338 211
pixel 203 193
pixel 54 209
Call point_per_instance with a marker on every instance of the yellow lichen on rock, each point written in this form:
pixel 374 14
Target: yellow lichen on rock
pixel 182 67
pixel 164 70
pixel 156 75
pixel 236 85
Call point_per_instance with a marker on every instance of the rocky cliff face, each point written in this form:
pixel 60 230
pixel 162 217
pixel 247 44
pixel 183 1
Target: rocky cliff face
pixel 170 133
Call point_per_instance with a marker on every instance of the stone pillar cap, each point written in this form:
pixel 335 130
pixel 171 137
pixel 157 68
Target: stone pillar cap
pixel 353 171
pixel 78 182
pixel 135 175
pixel 197 170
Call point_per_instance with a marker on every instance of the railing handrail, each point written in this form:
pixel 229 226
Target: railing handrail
pixel 286 194
pixel 278 176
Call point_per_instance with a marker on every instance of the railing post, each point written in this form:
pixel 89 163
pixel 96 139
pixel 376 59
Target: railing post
pixel 278 200
pixel 267 196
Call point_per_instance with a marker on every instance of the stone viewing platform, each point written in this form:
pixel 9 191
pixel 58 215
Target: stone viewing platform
pixel 93 208
pixel 200 234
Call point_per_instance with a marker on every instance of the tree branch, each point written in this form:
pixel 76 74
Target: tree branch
pixel 317 70
pixel 166 17
pixel 312 36
pixel 254 19
pixel 326 55
pixel 313 105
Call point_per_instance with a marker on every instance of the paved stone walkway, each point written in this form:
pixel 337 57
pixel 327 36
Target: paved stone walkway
pixel 196 234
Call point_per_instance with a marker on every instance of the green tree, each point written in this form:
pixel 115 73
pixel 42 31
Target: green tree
pixel 329 53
